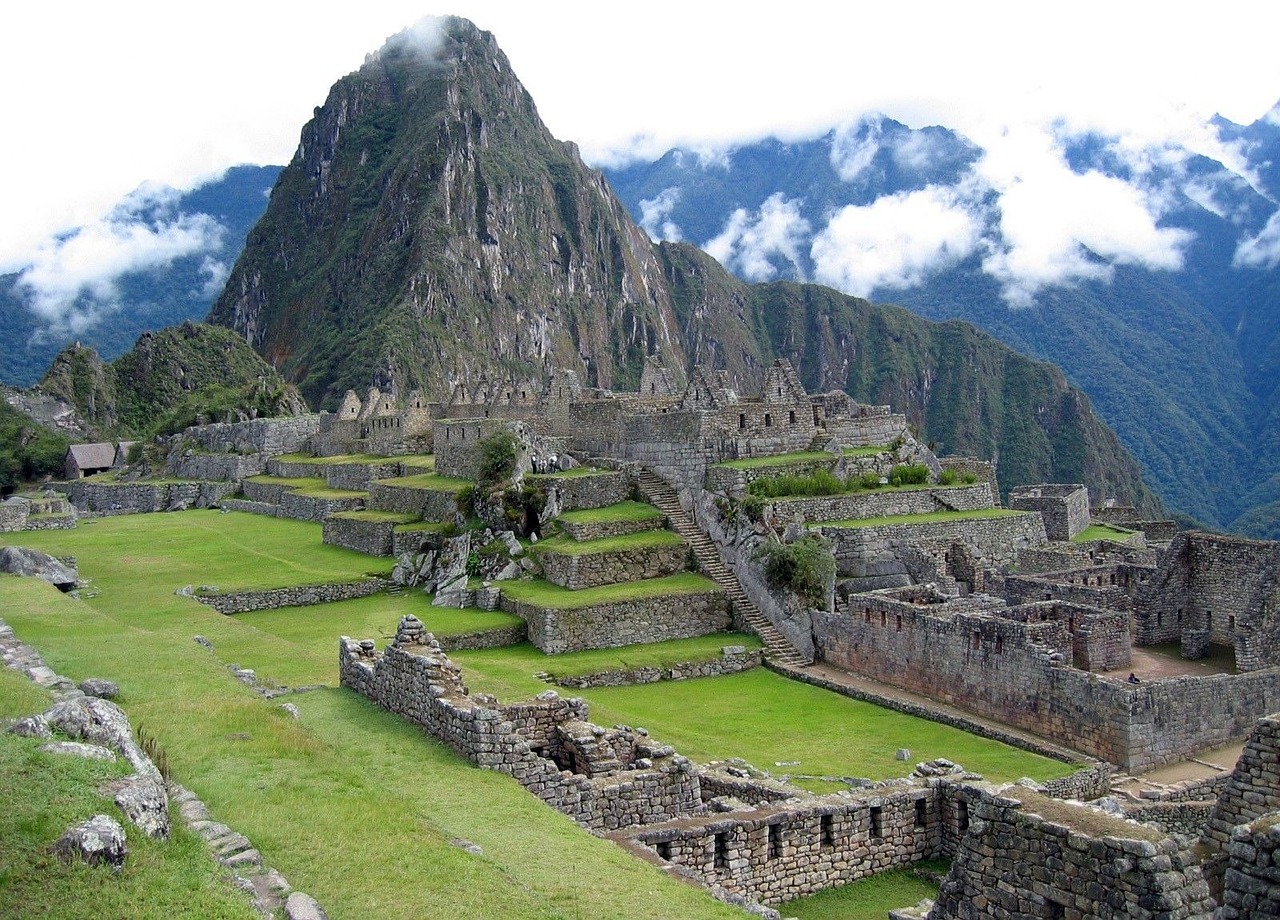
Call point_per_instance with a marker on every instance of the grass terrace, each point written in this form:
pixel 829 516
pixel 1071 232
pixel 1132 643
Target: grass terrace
pixel 508 672
pixel 544 594
pixel 623 511
pixel 377 517
pixel 578 472
pixel 431 482
pixel 424 527
pixel 866 899
pixel 933 517
pixel 645 539
pixel 340 459
pixel 1103 532
pixel 418 461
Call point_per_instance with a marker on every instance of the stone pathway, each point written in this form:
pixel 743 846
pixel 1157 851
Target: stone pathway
pixel 660 494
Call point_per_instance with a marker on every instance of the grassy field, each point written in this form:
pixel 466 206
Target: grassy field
pixel 867 899
pixel 352 794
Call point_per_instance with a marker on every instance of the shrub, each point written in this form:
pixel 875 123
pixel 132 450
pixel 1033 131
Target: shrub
pixel 819 482
pixel 947 478
pixel 909 474
pixel 869 480
pixel 969 478
pixel 805 567
pixel 498 454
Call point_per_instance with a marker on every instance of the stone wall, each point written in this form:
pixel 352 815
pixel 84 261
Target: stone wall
pixel 414 542
pixel 1027 856
pixel 903 550
pixel 428 504
pixel 785 851
pixel 1253 790
pixel 1252 891
pixel 1065 507
pixel 1109 586
pixel 457 444
pixel 414 678
pixel 729 663
pixel 882 503
pixel 1215 589
pixel 595 490
pixel 355 477
pixel 500 637
pixel 271 436
pixel 622 623
pixel 215 467
pixel 14 512
pixel 375 538
pixel 144 497
pixel 315 509
pixel 599 530
pixel 576 571
pixel 295 596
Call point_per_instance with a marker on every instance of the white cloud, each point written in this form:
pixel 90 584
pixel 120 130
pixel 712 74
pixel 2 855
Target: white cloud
pixel 852 154
pixel 1054 224
pixel 216 273
pixel 655 214
pixel 751 241
pixel 71 281
pixel 1263 250
pixel 896 240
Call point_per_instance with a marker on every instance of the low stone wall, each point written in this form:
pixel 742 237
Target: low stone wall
pixel 375 538
pixel 733 663
pixel 1083 785
pixel 266 492
pixel 600 530
pixel 250 507
pixel 14 513
pixel 314 509
pixel 528 741
pixel 296 596
pixel 624 622
pixel 774 854
pixel 576 571
pixel 883 503
pixel 578 493
pixel 428 504
pixel 413 542
pixel 1027 856
pixel 51 522
pixel 485 638
pixel 143 497
pixel 355 477
pixel 1186 818
pixel 294 469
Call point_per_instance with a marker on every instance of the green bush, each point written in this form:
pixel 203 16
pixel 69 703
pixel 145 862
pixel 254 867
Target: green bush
pixel 969 478
pixel 819 482
pixel 869 480
pixel 909 474
pixel 805 567
pixel 498 454
pixel 947 478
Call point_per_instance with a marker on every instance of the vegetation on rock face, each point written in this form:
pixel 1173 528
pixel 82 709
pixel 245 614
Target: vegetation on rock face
pixel 28 451
pixel 179 376
pixel 805 567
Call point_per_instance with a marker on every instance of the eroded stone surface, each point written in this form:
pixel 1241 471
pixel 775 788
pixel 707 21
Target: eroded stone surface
pixel 98 841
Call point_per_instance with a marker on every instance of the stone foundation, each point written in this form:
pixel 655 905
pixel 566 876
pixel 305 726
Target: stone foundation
pixel 576 571
pixel 297 596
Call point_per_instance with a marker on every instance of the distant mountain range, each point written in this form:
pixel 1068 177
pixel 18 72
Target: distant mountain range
pixel 158 259
pixel 1175 334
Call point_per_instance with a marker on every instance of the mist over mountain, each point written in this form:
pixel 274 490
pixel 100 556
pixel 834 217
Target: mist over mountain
pixel 160 257
pixel 1149 275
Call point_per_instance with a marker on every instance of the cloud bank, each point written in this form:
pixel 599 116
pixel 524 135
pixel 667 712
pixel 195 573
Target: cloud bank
pixel 73 280
pixel 752 242
pixel 655 214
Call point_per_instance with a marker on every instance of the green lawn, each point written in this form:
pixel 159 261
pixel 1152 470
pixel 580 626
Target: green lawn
pixel 542 593
pixel 932 517
pixel 867 899
pixel 645 539
pixel 765 718
pixel 623 511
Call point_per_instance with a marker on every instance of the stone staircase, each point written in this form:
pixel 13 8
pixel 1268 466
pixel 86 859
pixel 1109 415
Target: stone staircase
pixel 660 494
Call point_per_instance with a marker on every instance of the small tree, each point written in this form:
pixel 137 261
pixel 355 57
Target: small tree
pixel 805 567
pixel 498 454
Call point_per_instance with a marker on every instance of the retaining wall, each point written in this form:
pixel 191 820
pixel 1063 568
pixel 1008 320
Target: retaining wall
pixel 883 503
pixel 576 571
pixel 734 663
pixel 141 497
pixel 295 596
pixel 428 504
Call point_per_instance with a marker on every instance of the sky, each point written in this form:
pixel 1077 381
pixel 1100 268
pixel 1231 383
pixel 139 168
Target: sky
pixel 103 98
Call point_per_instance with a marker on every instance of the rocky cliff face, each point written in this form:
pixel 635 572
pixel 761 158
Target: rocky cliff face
pixel 430 231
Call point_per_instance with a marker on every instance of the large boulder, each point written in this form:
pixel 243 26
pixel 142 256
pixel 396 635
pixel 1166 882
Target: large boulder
pixel 98 841
pixel 144 802
pixel 31 563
